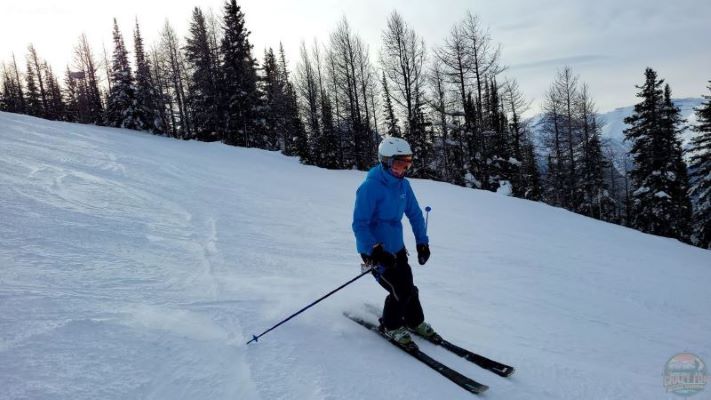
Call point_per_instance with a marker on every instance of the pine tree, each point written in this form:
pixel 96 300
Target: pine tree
pixel 35 64
pixel 203 93
pixel 172 82
pixel 701 174
pixel 525 183
pixel 275 105
pixel 327 146
pixel 295 138
pixel 121 109
pixel 239 77
pixel 660 203
pixel 391 122
pixel 307 85
pixel 295 127
pixel 34 101
pixel 594 199
pixel 147 113
pixel 71 97
pixel 13 99
pixel 21 105
pixel 351 73
pixel 531 175
pixel 502 167
pixel 56 108
pixel 90 107
pixel 674 125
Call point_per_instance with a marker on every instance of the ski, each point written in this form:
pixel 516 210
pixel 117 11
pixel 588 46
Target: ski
pixel 464 382
pixel 486 363
pixel 483 362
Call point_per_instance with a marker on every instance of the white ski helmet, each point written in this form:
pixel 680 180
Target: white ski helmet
pixel 391 147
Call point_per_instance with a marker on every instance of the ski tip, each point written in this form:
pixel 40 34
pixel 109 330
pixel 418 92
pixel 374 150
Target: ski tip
pixel 504 372
pixel 481 389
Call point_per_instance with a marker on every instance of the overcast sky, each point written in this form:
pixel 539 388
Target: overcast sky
pixel 607 42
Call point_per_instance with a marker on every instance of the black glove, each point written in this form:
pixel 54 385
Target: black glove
pixel 378 256
pixel 423 253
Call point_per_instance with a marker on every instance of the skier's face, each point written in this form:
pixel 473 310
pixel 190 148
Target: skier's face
pixel 401 165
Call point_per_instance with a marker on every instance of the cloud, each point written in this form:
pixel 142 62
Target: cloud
pixel 557 62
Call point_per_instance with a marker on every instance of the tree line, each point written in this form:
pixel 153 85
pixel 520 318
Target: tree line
pixel 464 119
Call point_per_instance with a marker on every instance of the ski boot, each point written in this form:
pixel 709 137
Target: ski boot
pixel 425 330
pixel 400 336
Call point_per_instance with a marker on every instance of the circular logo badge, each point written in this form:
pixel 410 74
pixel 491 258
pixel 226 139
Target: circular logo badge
pixel 685 374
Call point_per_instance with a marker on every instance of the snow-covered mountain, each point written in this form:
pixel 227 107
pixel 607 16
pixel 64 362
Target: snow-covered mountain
pixel 136 267
pixel 614 124
pixel 614 127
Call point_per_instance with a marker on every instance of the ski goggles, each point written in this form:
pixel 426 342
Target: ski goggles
pixel 402 162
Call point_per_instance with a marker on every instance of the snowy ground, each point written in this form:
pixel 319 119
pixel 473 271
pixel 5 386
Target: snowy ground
pixel 136 267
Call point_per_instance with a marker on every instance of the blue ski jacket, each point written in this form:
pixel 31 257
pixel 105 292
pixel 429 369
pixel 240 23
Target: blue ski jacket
pixel 381 200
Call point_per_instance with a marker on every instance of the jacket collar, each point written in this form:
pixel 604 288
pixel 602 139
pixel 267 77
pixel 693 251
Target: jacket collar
pixel 378 172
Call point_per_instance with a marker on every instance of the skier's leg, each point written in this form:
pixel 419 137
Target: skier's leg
pixel 412 311
pixel 397 280
pixel 392 313
pixel 414 315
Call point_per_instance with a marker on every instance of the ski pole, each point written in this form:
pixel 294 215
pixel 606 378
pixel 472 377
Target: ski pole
pixel 255 338
pixel 427 216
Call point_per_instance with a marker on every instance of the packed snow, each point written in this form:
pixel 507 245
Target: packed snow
pixel 134 266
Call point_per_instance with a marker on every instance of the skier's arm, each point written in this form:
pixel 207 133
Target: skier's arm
pixel 414 214
pixel 362 218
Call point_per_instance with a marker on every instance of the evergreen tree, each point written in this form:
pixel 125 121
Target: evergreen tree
pixel 13 99
pixel 203 92
pixel 575 176
pixel 502 167
pixel 34 63
pixel 21 106
pixel 172 83
pixel 660 204
pixel 529 170
pixel 526 182
pixel 351 73
pixel 327 146
pixel 239 79
pixel 295 138
pixel 274 130
pixel 701 174
pixel 391 122
pixel 307 84
pixel 56 108
pixel 295 127
pixel 419 138
pixel 147 113
pixel 71 97
pixel 593 198
pixel 121 110
pixel 34 101
pixel 673 125
pixel 90 107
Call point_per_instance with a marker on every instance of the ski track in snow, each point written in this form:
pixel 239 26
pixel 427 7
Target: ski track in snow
pixel 135 266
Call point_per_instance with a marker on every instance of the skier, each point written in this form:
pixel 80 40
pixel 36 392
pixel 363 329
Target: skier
pixel 380 203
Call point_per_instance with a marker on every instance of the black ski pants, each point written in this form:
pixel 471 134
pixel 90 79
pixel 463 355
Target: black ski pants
pixel 402 305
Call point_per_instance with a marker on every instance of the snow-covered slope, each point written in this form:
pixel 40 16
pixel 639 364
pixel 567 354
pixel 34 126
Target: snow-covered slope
pixel 136 267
